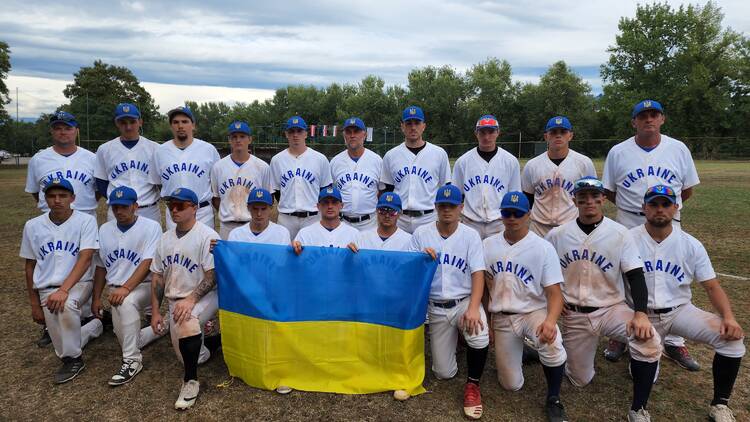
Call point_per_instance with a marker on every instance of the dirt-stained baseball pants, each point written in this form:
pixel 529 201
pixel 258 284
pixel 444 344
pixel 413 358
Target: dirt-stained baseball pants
pixel 444 337
pixel 485 230
pixel 295 224
pixel 225 227
pixel 539 228
pixel 126 319
pixel 65 330
pixel 204 310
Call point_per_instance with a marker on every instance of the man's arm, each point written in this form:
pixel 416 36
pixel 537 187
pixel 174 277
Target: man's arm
pixel 206 285
pixel 611 196
pixel 730 329
pixel 36 304
pixel 215 201
pixel 56 301
pixel 547 330
pixel 686 194
pixel 96 297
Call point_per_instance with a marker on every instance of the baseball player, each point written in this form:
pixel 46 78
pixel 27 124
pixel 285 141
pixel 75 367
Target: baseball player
pixel 547 179
pixel 296 176
pixel 260 229
pixel 126 248
pixel 595 252
pixel 356 173
pixel 185 162
pixel 387 236
pixel 674 259
pixel 484 174
pixel 523 278
pixel 58 246
pixel 644 160
pixel 456 294
pixel 234 176
pixel 128 160
pixel 329 232
pixel 184 266
pixel 415 170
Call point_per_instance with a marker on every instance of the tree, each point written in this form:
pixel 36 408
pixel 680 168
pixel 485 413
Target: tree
pixel 492 91
pixel 4 70
pixel 96 91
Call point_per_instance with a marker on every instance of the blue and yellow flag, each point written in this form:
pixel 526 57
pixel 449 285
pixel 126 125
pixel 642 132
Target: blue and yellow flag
pixel 328 320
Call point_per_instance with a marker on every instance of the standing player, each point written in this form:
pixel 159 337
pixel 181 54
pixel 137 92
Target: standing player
pixel 387 236
pixel 58 246
pixel 128 160
pixel 485 173
pixel 673 260
pixel 456 295
pixel 415 170
pixel 523 277
pixel 356 173
pixel 644 160
pixel 595 252
pixel 126 247
pixel 234 176
pixel 547 179
pixel 296 176
pixel 329 231
pixel 260 229
pixel 184 266
pixel 185 162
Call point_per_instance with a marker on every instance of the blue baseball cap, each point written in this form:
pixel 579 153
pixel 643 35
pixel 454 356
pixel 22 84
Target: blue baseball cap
pixel 646 105
pixel 412 113
pixel 295 122
pixel 329 192
pixel 124 110
pixel 487 121
pixel 63 117
pixel 660 191
pixel 181 110
pixel 238 126
pixel 258 196
pixel 588 183
pixel 389 200
pixel 123 195
pixel 449 194
pixel 515 200
pixel 184 194
pixel 558 122
pixel 354 122
pixel 59 183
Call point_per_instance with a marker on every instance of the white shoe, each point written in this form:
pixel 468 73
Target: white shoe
pixel 283 389
pixel 639 416
pixel 188 395
pixel 128 370
pixel 401 395
pixel 721 413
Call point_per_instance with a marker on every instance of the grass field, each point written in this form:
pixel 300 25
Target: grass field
pixel 717 215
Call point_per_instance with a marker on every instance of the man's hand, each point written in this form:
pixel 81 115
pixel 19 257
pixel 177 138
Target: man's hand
pixel 212 245
pixel 546 332
pixel 297 246
pixel 730 329
pixel 116 296
pixel 183 309
pixel 431 252
pixel 37 313
pixel 56 301
pixel 96 307
pixel 352 247
pixel 640 327
pixel 157 322
pixel 471 322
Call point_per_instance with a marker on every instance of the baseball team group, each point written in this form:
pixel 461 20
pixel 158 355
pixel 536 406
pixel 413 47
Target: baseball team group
pixel 527 260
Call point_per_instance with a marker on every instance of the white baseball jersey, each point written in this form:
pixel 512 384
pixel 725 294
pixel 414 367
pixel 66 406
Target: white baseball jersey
pixel 132 167
pixel 299 179
pixel 593 264
pixel 670 266
pixel 459 256
pixel 416 177
pixel 77 168
pixel 274 234
pixel 370 239
pixel 184 261
pixel 186 168
pixel 629 171
pixel 317 235
pixel 55 248
pixel 520 272
pixel 120 253
pixel 552 186
pixel 484 184
pixel 232 183
pixel 358 181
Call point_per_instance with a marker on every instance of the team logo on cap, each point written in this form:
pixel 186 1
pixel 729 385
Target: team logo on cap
pixel 258 194
pixel 647 103
pixel 446 192
pixel 237 125
pixel 412 111
pixel 295 121
pixel 514 198
pixel 558 121
pixel 329 190
pixel 351 121
pixel 55 181
pixel 177 192
pixel 389 198
pixel 118 194
pixel 60 115
pixel 126 109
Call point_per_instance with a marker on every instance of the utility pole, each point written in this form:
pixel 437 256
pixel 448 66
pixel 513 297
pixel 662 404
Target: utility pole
pixel 15 138
pixel 87 118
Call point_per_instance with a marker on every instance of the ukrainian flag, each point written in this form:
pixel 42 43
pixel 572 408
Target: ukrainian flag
pixel 328 320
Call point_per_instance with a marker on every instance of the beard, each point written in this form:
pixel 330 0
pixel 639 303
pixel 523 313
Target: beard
pixel 660 222
pixel 182 137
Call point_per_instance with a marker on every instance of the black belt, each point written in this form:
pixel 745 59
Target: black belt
pixel 204 204
pixel 508 313
pixel 661 310
pixel 356 219
pixel 149 205
pixel 417 213
pixel 582 309
pixel 301 214
pixel 235 222
pixel 447 304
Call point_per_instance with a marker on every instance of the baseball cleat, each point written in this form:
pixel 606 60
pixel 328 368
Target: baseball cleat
pixel 472 401
pixel 615 350
pixel 721 413
pixel 45 340
pixel 129 369
pixel 641 415
pixel 401 395
pixel 555 410
pixel 70 369
pixel 681 355
pixel 188 395
pixel 283 389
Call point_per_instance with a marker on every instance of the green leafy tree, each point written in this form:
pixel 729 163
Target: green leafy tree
pixel 492 91
pixel 4 70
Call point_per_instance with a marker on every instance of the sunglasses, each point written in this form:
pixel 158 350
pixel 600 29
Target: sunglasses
pixel 512 213
pixel 387 211
pixel 178 205
pixel 660 190
pixel 588 184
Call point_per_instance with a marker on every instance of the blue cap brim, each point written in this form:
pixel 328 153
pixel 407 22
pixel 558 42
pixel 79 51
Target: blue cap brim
pixel 413 118
pixel 121 202
pixel 65 122
pixel 392 207
pixel 510 207
pixel 330 195
pixel 448 201
pixel 131 116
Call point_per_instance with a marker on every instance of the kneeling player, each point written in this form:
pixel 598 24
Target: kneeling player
pixel 260 229
pixel 329 231
pixel 456 294
pixel 387 236
pixel 126 247
pixel 673 260
pixel 524 277
pixel 184 266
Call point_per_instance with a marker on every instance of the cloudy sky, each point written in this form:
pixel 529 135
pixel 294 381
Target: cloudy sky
pixel 233 50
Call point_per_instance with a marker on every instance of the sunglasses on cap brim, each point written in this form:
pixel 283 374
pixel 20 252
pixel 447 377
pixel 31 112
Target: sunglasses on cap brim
pixel 511 212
